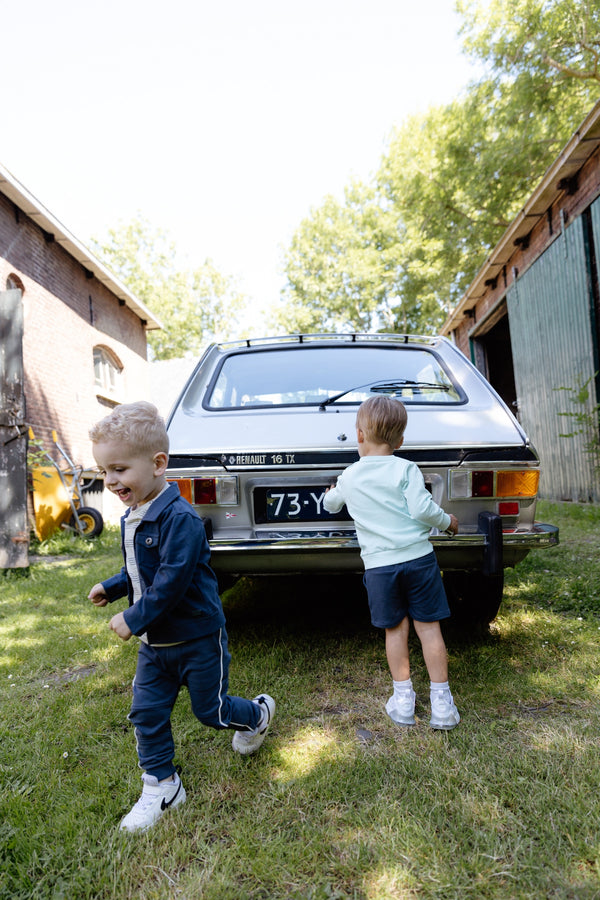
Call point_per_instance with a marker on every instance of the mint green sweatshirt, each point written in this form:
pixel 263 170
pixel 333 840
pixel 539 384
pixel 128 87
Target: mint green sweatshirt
pixel 392 509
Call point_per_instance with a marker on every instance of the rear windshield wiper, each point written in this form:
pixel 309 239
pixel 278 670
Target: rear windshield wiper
pixel 390 387
pixel 387 387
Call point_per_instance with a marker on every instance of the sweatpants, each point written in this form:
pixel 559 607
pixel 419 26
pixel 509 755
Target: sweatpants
pixel 202 665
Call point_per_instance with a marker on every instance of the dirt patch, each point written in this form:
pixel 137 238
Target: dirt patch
pixel 70 675
pixel 65 559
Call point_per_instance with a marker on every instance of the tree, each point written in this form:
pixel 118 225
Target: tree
pixel 532 39
pixel 194 306
pixel 459 174
pixel 338 267
pixel 348 267
pixel 452 179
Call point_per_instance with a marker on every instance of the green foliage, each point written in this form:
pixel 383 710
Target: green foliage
pixel 193 305
pixel 36 456
pixel 521 39
pixel 66 542
pixel 585 419
pixel 349 267
pixel 399 253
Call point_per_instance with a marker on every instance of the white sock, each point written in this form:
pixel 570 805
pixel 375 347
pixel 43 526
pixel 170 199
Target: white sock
pixel 439 686
pixel 402 687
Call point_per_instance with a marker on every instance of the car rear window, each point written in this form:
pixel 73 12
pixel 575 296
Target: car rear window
pixel 312 376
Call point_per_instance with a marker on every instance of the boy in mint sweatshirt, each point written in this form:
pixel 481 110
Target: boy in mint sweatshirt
pixel 393 513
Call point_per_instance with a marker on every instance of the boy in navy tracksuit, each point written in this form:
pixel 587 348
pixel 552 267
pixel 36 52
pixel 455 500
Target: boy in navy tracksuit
pixel 174 608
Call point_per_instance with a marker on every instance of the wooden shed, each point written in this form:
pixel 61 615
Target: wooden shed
pixel 530 320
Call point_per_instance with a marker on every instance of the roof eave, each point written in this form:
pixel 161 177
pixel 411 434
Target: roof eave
pixel 576 152
pixel 29 205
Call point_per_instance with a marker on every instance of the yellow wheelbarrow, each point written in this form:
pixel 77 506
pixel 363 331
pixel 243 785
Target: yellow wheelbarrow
pixel 58 497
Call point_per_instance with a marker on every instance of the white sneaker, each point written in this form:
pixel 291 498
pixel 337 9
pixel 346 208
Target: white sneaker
pixel 249 741
pixel 155 800
pixel 444 714
pixel 401 708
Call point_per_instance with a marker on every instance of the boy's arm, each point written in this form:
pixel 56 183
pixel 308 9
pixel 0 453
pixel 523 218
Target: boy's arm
pixel 97 595
pixel 334 498
pixel 120 627
pixel 115 587
pixel 453 526
pixel 107 591
pixel 421 504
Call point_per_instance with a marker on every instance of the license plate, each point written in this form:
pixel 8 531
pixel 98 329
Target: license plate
pixel 303 504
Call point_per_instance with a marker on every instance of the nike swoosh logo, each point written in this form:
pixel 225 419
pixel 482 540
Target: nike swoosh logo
pixel 166 803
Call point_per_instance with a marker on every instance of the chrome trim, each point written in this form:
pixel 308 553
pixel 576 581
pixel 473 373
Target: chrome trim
pixel 541 537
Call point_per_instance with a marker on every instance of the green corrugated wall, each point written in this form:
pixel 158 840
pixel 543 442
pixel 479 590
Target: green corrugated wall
pixel 552 331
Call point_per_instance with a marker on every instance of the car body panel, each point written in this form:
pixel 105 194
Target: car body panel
pixel 283 453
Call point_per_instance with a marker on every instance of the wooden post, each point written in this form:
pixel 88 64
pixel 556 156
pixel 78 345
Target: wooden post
pixel 14 530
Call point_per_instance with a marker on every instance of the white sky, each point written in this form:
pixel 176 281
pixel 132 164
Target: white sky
pixel 222 123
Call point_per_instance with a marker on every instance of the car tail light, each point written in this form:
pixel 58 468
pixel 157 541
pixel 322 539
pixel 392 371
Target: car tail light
pixel 219 490
pixel 508 508
pixel 185 487
pixel 482 484
pixel 517 483
pixel 478 483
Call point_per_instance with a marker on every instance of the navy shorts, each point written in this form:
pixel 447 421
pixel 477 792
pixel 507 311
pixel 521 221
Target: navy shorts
pixel 413 588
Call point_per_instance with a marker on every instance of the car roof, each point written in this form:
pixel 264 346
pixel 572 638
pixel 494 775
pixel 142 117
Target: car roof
pixel 331 338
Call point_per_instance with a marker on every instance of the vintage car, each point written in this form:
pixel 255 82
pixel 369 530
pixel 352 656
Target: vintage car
pixel 264 426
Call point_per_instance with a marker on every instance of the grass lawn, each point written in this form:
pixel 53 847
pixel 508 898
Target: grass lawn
pixel 339 802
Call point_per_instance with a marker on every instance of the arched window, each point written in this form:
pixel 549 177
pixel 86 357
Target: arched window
pixel 107 373
pixel 14 283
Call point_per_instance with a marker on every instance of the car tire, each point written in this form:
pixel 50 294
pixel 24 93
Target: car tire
pixel 90 522
pixel 474 599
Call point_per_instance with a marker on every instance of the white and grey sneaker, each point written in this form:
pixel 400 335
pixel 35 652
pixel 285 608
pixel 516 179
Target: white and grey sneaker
pixel 249 741
pixel 401 708
pixel 444 714
pixel 156 799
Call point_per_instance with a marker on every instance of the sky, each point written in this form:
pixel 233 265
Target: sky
pixel 221 123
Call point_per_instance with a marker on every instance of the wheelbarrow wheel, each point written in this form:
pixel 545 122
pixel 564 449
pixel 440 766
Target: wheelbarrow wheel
pixel 90 522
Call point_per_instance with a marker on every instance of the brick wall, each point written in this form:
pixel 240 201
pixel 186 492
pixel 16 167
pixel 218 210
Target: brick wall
pixel 66 314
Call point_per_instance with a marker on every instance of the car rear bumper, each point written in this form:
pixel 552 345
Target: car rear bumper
pixel 321 552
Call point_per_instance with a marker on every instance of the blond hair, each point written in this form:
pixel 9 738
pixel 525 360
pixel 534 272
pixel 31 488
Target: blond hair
pixel 382 420
pixel 137 424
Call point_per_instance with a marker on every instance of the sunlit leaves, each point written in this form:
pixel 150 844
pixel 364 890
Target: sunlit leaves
pixel 193 305
pixel 398 253
pixel 519 38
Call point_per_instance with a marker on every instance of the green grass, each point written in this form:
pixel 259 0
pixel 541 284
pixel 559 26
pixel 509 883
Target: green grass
pixel 340 802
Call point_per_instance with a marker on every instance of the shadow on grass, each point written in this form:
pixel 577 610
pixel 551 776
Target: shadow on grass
pixel 322 605
pixel 300 605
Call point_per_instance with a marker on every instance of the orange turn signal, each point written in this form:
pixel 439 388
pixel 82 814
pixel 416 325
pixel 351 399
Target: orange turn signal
pixel 518 483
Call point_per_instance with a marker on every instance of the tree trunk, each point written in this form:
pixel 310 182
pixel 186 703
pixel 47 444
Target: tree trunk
pixel 14 531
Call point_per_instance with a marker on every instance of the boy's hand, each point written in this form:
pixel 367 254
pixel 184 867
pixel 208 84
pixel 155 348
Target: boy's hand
pixel 453 526
pixel 97 595
pixel 120 627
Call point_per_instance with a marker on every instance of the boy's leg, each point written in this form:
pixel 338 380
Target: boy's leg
pixel 207 678
pixel 401 706
pixel 387 603
pixel 434 649
pixel 396 649
pixel 154 693
pixel 444 714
